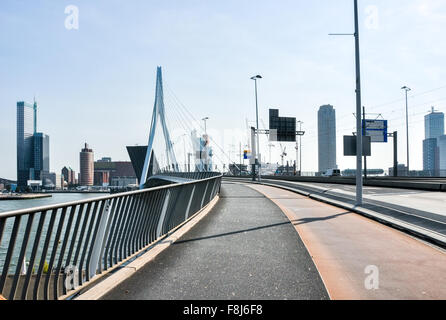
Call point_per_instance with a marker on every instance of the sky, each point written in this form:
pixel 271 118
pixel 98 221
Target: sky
pixel 95 83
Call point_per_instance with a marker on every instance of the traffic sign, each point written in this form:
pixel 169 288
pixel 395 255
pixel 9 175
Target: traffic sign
pixel 376 129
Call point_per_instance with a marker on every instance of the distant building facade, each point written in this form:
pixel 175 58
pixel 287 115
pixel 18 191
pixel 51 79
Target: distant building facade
pixel 101 178
pixel 113 173
pixel 69 175
pixel 86 159
pixel 51 180
pixel 326 120
pixel 123 181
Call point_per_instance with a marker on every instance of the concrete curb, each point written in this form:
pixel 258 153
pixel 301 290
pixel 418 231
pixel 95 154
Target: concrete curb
pixel 417 231
pixel 105 286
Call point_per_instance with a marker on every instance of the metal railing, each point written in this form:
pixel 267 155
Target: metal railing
pixel 53 251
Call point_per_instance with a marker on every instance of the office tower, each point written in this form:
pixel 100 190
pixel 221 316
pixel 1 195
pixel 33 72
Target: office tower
pixel 86 166
pixel 434 129
pixel 434 124
pixel 441 140
pixel 326 120
pixel 26 127
pixel 41 163
pixel 430 156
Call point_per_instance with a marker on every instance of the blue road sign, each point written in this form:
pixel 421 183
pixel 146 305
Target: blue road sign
pixel 376 129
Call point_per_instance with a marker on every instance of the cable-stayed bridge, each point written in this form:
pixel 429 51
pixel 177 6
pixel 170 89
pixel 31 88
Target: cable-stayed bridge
pixel 190 233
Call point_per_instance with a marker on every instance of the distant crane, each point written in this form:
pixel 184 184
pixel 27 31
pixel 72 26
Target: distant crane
pixel 270 145
pixel 283 154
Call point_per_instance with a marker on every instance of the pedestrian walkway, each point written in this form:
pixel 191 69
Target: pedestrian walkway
pixel 359 258
pixel 245 248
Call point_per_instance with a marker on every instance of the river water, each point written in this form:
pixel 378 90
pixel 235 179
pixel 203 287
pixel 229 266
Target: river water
pixel 9 205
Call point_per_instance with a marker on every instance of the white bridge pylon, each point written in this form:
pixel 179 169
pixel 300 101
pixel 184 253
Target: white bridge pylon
pixel 158 119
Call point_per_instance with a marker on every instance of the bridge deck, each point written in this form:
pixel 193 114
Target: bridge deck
pixel 245 248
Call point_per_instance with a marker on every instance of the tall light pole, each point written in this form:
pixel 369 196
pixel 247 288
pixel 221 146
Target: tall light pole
pixel 358 107
pixel 407 89
pixel 300 149
pixel 258 161
pixel 358 113
pixel 204 120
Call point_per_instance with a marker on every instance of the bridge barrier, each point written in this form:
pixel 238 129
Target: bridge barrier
pixel 54 251
pixel 428 184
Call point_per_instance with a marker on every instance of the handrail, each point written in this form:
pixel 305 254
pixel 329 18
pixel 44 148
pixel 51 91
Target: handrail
pixel 67 245
pixel 57 205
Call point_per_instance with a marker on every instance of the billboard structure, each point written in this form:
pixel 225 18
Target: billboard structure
pixel 350 146
pixel 281 129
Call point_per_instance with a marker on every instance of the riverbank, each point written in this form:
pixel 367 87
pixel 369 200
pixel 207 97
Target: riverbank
pixel 26 196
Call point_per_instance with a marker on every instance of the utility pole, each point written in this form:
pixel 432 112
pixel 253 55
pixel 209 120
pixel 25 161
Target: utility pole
pixel 395 154
pixel 240 158
pixel 363 133
pixel 407 89
pixel 358 112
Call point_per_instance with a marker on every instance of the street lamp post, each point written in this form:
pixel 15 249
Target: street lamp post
pixel 258 161
pixel 407 89
pixel 358 113
pixel 205 166
pixel 300 149
pixel 359 180
pixel 204 120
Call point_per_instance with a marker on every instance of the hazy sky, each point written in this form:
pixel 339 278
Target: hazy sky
pixel 97 83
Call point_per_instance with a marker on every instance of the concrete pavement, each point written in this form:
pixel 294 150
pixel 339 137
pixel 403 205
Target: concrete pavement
pixel 245 248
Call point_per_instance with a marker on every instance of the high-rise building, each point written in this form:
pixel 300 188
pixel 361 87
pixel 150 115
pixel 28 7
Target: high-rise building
pixel 326 119
pixel 26 127
pixel 434 129
pixel 33 148
pixel 41 154
pixel 86 158
pixel 434 124
pixel 441 140
pixel 431 156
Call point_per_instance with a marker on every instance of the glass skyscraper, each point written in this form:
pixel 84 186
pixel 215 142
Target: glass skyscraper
pixel 33 148
pixel 326 119
pixel 432 155
pixel 442 155
pixel 26 127
pixel 434 124
pixel 41 155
